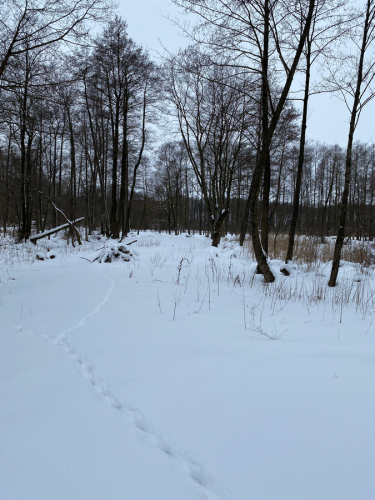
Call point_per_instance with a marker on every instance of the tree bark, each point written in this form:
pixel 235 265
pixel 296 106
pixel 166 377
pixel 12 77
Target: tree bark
pixel 301 158
pixel 348 162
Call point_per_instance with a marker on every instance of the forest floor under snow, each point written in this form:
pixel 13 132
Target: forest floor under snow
pixel 179 375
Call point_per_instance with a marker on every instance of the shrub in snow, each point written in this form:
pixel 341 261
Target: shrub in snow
pixel 114 251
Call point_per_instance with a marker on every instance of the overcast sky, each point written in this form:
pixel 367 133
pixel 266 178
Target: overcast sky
pixel 328 116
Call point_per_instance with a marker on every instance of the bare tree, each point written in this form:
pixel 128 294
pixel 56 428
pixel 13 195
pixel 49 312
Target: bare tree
pixel 28 25
pixel 353 79
pixel 252 33
pixel 212 116
pixel 328 27
pixel 129 86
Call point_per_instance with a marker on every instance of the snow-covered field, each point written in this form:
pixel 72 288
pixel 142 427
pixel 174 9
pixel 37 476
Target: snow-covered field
pixel 179 375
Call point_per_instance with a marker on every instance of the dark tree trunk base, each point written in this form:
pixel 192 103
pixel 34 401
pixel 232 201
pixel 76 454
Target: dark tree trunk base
pixel 216 239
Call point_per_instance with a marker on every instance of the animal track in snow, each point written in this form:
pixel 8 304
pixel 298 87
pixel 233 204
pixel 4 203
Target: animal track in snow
pixel 206 486
pixel 83 321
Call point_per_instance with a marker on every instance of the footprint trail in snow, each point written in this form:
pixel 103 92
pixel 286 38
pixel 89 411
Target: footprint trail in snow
pixel 206 486
pixel 64 334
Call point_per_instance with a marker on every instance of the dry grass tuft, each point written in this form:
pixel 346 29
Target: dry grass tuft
pixel 311 251
pixel 149 241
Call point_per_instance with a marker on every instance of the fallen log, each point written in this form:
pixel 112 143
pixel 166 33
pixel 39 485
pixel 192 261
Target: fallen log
pixel 39 236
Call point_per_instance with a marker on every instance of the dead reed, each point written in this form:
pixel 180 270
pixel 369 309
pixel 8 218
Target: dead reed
pixel 311 251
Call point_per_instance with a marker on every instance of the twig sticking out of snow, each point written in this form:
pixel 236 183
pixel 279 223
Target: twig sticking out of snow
pixel 84 258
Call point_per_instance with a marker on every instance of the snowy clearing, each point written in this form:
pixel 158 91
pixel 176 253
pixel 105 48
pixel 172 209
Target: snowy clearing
pixel 180 375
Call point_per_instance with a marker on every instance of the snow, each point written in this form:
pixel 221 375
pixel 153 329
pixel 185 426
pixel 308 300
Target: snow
pixel 249 392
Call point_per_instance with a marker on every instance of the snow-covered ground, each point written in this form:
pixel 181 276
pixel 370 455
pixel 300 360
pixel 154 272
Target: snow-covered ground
pixel 179 375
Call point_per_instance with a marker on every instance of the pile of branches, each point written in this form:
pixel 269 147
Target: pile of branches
pixel 114 251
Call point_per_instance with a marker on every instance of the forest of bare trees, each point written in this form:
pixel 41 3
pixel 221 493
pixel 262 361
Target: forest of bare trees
pixel 212 139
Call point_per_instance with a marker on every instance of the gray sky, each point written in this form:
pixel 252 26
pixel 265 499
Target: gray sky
pixel 328 116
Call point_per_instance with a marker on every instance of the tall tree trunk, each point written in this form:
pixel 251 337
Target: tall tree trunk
pixel 301 158
pixel 7 196
pixel 73 188
pixel 28 206
pixel 246 214
pixel 266 202
pixel 39 197
pixel 267 134
pixel 124 187
pixel 23 230
pixel 262 164
pixel 187 203
pixel 138 162
pixel 217 227
pixel 348 162
pixel 323 221
pixel 114 226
